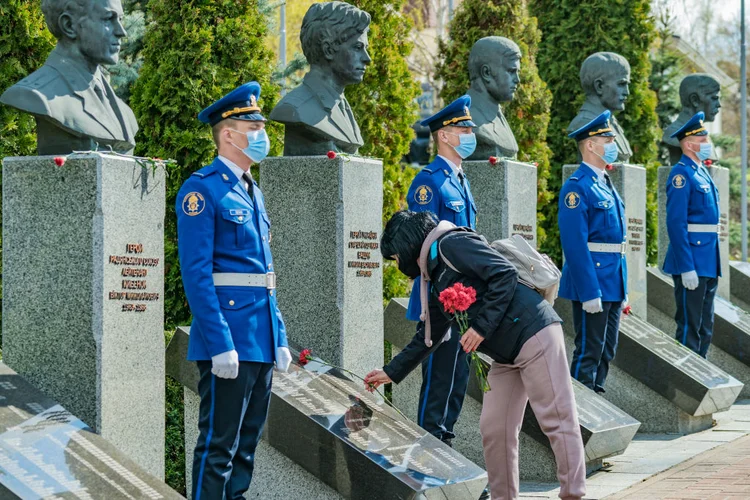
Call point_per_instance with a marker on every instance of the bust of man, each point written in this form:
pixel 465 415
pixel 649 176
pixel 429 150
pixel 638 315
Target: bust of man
pixel 698 92
pixel 316 115
pixel 494 63
pixel 74 105
pixel 605 77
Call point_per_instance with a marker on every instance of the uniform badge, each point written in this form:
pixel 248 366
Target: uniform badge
pixel 193 203
pixel 572 200
pixel 678 181
pixel 423 195
pixel 225 177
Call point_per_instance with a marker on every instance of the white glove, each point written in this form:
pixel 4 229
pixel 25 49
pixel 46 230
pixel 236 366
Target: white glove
pixel 593 306
pixel 283 359
pixel 625 302
pixel 226 364
pixel 690 280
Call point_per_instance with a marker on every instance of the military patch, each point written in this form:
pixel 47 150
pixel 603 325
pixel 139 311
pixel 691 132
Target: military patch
pixel 225 177
pixel 193 203
pixel 678 181
pixel 423 195
pixel 572 200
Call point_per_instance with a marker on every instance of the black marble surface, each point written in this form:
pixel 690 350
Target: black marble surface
pixel 45 452
pixel 731 323
pixel 350 439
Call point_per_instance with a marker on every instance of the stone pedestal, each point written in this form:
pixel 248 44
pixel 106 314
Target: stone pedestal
pixel 630 182
pixel 83 251
pixel 739 282
pixel 605 429
pixel 326 217
pixel 720 176
pixel 505 195
pixel 47 452
pixel 328 439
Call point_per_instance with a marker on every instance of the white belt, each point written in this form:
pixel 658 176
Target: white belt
pixel 608 247
pixel 703 228
pixel 267 280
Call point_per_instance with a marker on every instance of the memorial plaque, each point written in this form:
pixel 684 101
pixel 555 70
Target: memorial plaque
pixel 739 283
pixel 46 452
pixel 326 217
pixel 505 195
pixel 630 183
pixel 605 429
pixel 720 176
pixel 353 441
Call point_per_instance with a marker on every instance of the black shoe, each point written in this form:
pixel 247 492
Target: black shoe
pixel 485 494
pixel 448 441
pixel 599 390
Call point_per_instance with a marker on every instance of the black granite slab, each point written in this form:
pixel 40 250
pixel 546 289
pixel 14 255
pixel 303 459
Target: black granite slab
pixel 731 323
pixel 350 439
pixel 739 283
pixel 46 452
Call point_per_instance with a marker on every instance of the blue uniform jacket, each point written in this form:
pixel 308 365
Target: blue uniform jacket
pixel 589 211
pixel 692 198
pixel 221 230
pixel 436 188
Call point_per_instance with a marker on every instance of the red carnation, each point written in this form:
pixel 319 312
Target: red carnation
pixel 610 166
pixel 331 155
pixel 59 161
pixel 493 160
pixel 627 309
pixel 708 163
pixel 305 356
pixel 536 164
pixel 458 298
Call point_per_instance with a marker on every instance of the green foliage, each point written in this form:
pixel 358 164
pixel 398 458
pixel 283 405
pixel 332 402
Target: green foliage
pixel 194 52
pixel 174 438
pixel 385 107
pixel 624 27
pixel 528 113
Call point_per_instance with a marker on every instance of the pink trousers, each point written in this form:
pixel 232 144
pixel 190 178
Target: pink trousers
pixel 540 376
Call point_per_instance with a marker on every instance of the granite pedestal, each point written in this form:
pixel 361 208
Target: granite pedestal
pixel 327 438
pixel 83 316
pixel 739 283
pixel 664 385
pixel 47 452
pixel 505 195
pixel 630 183
pixel 326 217
pixel 605 429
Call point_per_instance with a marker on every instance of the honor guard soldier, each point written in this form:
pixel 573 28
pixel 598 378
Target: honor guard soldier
pixel 237 332
pixel 442 188
pixel 591 217
pixel 693 226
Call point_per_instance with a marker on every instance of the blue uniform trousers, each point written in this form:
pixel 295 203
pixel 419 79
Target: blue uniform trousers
pixel 695 313
pixel 232 416
pixel 445 376
pixel 596 343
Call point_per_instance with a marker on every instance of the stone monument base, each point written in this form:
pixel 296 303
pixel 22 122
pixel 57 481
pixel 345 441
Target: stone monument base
pixel 739 283
pixel 83 283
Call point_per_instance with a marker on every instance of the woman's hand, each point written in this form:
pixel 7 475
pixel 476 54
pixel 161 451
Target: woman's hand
pixel 471 340
pixel 375 379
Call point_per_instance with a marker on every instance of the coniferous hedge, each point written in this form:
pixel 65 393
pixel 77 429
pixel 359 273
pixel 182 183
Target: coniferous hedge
pixel 385 107
pixel 528 112
pixel 571 31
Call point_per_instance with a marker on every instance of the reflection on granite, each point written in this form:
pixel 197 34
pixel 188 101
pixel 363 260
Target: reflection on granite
pixel 353 440
pixel 46 452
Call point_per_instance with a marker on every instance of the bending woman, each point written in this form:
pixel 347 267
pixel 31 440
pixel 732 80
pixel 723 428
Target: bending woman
pixel 509 322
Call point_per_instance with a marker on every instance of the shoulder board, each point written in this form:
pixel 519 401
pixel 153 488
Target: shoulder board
pixel 431 168
pixel 205 171
pixel 574 177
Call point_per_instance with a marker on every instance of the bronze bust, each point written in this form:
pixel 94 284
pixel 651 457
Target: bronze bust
pixel 494 65
pixel 74 104
pixel 316 115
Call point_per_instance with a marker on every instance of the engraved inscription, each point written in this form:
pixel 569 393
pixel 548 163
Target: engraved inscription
pixel 525 230
pixel 636 234
pixel 723 227
pixel 363 241
pixel 134 271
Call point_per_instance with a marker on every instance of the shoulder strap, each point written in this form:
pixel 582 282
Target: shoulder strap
pixel 440 250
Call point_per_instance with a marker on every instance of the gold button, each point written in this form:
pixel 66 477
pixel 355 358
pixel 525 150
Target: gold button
pixel 264 238
pixel 699 242
pixel 231 302
pixel 272 293
pixel 598 264
pixel 240 218
pixel 269 266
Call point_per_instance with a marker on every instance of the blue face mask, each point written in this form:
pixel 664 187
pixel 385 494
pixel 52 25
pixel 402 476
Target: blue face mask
pixel 610 152
pixel 467 145
pixel 258 145
pixel 705 151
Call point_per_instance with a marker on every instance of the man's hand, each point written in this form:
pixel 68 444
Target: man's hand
pixel 471 340
pixel 375 379
pixel 690 280
pixel 226 364
pixel 593 306
pixel 283 359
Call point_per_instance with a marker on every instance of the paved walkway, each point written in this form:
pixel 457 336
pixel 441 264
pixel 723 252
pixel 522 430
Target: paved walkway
pixel 723 472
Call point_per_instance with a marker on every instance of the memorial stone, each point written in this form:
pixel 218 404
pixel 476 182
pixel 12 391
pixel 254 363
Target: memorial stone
pixel 327 218
pixel 83 285
pixel 739 283
pixel 606 430
pixel 328 438
pixel 47 452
